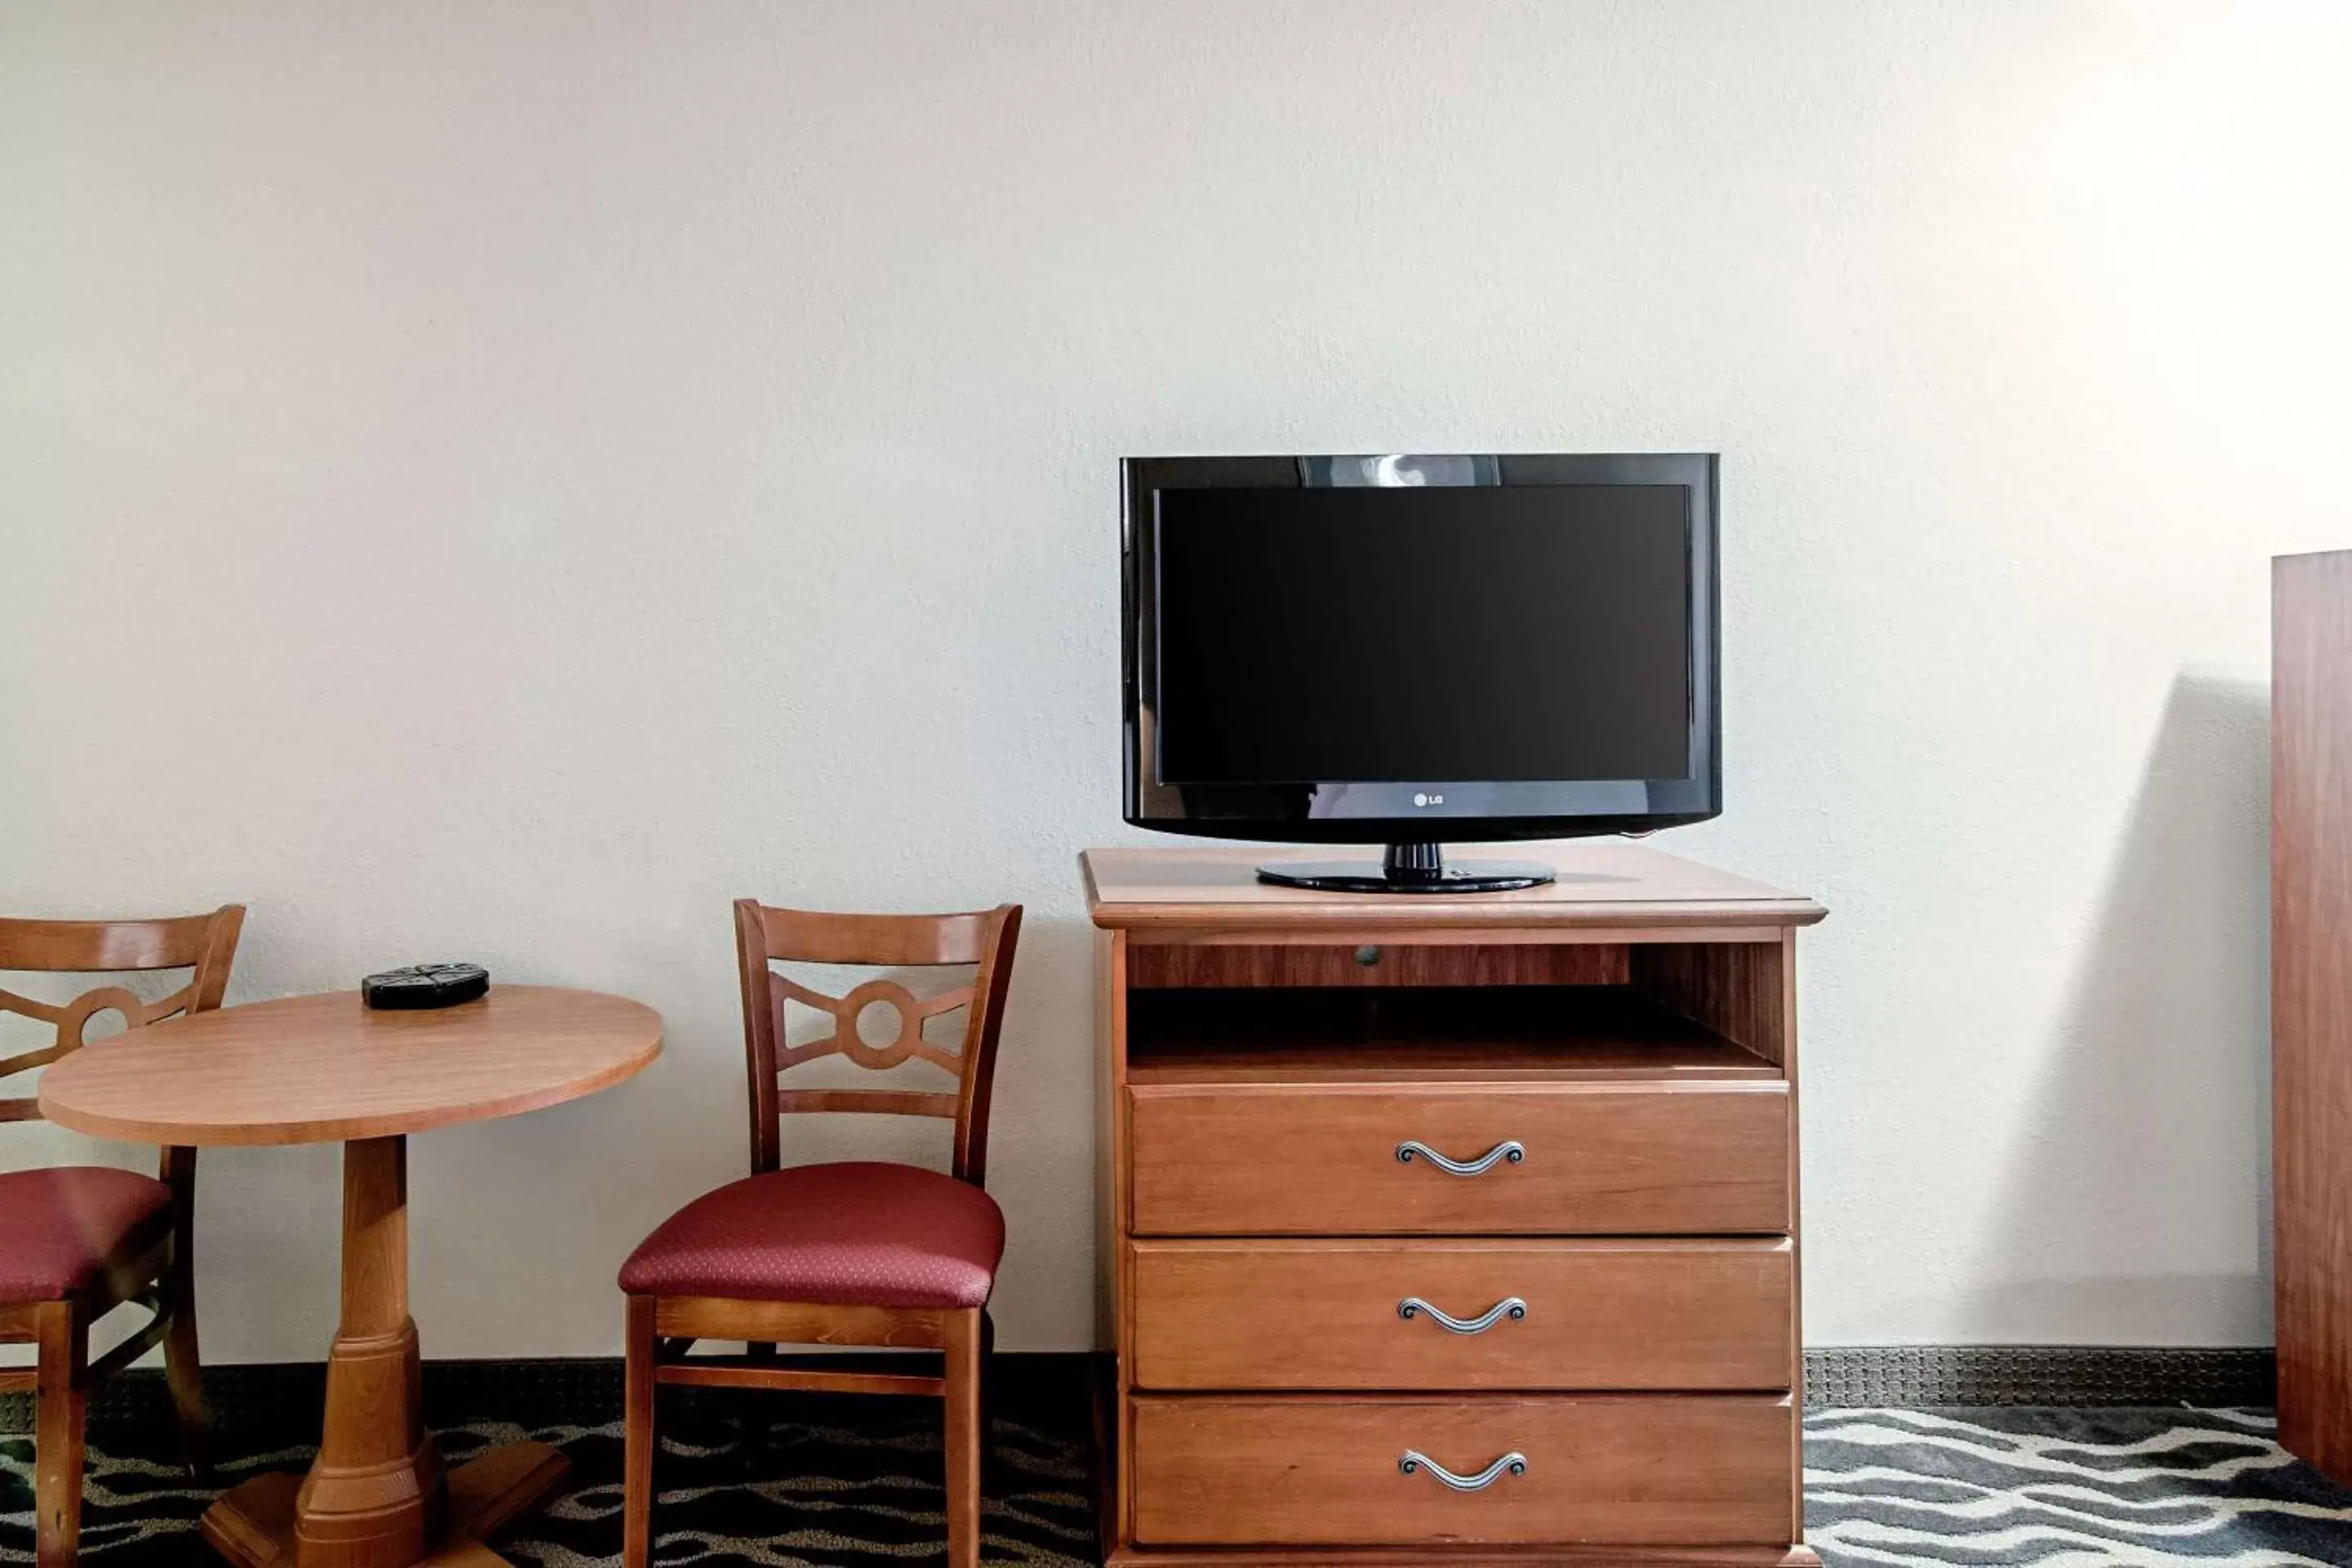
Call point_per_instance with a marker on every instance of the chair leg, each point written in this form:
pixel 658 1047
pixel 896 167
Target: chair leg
pixel 60 1401
pixel 637 1436
pixel 993 1475
pixel 963 1428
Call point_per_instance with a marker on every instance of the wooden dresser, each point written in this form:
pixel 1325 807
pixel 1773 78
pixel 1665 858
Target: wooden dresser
pixel 1457 1229
pixel 2310 1004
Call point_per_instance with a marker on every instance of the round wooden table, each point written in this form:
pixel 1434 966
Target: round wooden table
pixel 315 1069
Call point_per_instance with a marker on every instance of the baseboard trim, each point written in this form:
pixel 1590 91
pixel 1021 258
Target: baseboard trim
pixel 281 1401
pixel 1917 1375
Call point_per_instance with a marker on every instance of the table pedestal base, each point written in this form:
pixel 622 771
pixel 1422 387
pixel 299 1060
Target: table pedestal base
pixel 253 1526
pixel 378 1497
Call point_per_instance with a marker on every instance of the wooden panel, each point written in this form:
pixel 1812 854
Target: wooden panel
pixel 1406 932
pixel 1115 1219
pixel 1599 884
pixel 1551 1554
pixel 867 1101
pixel 796 1323
pixel 811 936
pixel 1733 988
pixel 1516 1033
pixel 1485 1061
pixel 1110 1090
pixel 1659 1471
pixel 101 946
pixel 1673 1159
pixel 1169 964
pixel 745 1374
pixel 1788 1004
pixel 2311 1003
pixel 1651 1314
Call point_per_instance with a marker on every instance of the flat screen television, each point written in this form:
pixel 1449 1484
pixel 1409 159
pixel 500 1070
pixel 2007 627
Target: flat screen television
pixel 1404 650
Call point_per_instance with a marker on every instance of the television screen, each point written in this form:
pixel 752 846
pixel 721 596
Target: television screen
pixel 1403 649
pixel 1527 632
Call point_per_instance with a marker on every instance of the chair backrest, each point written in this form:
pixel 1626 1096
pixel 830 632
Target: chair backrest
pixel 984 939
pixel 206 945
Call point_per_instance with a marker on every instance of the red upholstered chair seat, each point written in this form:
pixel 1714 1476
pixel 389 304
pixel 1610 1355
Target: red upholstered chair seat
pixel 861 1234
pixel 58 1225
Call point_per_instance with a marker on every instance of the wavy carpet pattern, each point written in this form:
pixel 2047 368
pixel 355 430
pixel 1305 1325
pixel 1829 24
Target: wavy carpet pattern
pixel 856 1494
pixel 2054 1489
pixel 2065 1488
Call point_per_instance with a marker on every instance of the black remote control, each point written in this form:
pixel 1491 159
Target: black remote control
pixel 426 985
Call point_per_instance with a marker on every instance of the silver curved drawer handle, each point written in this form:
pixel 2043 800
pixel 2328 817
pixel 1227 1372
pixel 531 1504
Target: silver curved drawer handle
pixel 1412 1459
pixel 1509 1307
pixel 1510 1149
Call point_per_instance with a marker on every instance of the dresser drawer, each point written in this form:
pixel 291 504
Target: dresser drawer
pixel 1655 1159
pixel 1654 1314
pixel 1662 1471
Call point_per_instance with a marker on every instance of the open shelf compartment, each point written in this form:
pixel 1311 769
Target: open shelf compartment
pixel 1656 1012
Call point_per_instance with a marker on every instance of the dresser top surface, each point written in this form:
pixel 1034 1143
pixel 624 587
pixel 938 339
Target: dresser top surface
pixel 1597 884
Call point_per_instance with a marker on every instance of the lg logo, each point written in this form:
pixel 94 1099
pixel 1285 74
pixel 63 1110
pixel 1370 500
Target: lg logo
pixel 1419 799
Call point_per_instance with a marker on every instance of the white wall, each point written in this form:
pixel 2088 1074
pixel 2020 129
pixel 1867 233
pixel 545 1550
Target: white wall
pixel 501 480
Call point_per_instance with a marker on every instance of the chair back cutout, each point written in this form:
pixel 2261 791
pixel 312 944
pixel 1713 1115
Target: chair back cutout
pixel 983 939
pixel 204 945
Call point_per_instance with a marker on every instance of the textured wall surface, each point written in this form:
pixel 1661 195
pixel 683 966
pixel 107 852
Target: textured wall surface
pixel 499 480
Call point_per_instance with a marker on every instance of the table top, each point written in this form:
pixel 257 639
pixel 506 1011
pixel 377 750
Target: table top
pixel 1600 884
pixel 317 1069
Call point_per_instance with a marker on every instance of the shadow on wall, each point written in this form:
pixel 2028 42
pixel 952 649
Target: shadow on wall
pixel 2145 1160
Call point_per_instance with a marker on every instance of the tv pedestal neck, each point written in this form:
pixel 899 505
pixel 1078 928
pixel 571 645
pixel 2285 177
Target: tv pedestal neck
pixel 1416 867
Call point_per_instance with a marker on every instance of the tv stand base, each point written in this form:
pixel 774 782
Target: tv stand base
pixel 1407 868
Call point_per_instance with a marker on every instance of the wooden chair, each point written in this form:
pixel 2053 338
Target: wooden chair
pixel 857 1253
pixel 78 1241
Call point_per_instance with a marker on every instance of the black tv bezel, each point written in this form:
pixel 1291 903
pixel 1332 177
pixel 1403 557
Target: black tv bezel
pixel 1466 810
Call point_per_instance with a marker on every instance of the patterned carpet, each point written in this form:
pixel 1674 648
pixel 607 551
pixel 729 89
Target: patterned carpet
pixel 2065 1488
pixel 811 1483
pixel 854 1484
